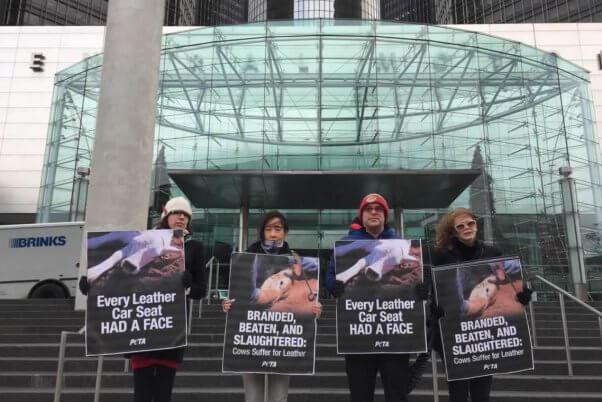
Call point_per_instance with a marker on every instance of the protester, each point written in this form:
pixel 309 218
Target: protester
pixel 273 229
pixel 370 224
pixel 154 371
pixel 457 241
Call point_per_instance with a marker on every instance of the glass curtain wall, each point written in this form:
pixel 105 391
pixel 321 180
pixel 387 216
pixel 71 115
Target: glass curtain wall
pixel 260 10
pixel 84 12
pixel 512 11
pixel 362 95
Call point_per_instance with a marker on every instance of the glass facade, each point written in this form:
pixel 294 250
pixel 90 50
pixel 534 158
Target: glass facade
pixel 314 9
pixel 181 12
pixel 492 11
pixel 512 11
pixel 260 10
pixel 54 12
pixel 360 95
pixel 422 11
pixel 83 12
pixel 221 12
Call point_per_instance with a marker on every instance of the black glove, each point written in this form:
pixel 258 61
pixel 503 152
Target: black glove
pixel 437 311
pixel 524 297
pixel 84 286
pixel 421 291
pixel 415 371
pixel 338 289
pixel 197 291
pixel 186 279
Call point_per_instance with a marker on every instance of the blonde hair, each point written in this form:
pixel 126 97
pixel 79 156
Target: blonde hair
pixel 446 230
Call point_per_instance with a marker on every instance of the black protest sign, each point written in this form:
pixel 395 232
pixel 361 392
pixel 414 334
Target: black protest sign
pixel 485 329
pixel 136 300
pixel 379 311
pixel 270 327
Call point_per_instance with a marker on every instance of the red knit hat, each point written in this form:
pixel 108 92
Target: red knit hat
pixel 373 198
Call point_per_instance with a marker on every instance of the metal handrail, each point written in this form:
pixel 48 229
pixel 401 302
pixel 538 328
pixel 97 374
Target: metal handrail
pixel 58 385
pixel 561 294
pixel 560 290
pixel 435 376
pixel 190 308
pixel 209 265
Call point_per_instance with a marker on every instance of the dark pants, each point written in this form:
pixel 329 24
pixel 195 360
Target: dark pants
pixel 153 383
pixel 479 389
pixel 361 374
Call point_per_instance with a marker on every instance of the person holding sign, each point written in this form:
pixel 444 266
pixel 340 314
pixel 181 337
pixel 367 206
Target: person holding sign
pixel 395 372
pixel 154 371
pixel 273 229
pixel 457 242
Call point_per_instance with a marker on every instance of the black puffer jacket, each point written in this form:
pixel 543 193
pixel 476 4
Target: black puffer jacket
pixel 195 264
pixel 458 253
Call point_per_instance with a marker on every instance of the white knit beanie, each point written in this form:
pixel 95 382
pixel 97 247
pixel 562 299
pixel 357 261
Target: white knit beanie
pixel 176 204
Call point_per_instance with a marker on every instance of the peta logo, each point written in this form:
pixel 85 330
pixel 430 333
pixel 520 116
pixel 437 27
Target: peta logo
pixel 46 241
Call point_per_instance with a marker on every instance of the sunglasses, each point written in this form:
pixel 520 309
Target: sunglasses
pixel 462 226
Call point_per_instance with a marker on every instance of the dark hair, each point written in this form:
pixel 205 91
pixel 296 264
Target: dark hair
pixel 163 224
pixel 445 229
pixel 268 216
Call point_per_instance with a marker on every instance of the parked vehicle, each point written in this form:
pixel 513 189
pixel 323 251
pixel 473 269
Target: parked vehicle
pixel 40 260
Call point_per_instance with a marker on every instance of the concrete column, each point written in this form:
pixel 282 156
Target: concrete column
pixel 243 226
pixel 573 234
pixel 398 210
pixel 125 124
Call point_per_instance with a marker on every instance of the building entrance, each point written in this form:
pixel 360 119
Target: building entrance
pixel 319 205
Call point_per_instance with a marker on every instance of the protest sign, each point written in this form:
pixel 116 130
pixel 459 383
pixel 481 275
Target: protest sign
pixel 136 300
pixel 485 329
pixel 379 311
pixel 270 327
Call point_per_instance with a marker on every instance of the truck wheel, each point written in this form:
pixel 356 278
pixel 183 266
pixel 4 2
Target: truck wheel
pixel 48 291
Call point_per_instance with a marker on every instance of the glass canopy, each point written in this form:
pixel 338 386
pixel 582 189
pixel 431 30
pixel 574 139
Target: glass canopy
pixel 329 95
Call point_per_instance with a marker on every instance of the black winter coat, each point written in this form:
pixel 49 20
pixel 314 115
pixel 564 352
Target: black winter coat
pixel 195 264
pixel 459 253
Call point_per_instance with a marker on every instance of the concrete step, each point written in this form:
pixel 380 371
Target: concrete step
pixel 215 309
pixel 29 336
pixel 546 320
pixel 323 364
pixel 74 350
pixel 578 337
pixel 189 379
pixel 235 394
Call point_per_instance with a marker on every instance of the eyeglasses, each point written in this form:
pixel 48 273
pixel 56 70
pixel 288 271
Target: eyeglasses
pixel 461 226
pixel 276 228
pixel 374 208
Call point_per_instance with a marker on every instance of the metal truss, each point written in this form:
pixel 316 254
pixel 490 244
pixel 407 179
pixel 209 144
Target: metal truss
pixel 224 90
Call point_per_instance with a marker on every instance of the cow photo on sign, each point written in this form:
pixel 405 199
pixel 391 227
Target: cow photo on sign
pixel 485 329
pixel 271 328
pixel 136 300
pixel 379 311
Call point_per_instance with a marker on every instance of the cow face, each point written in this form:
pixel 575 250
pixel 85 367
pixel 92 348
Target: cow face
pixel 275 287
pixel 482 295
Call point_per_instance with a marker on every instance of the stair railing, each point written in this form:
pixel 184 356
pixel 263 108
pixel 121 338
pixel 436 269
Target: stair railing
pixel 58 386
pixel 209 266
pixel 561 294
pixel 435 376
pixel 190 308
